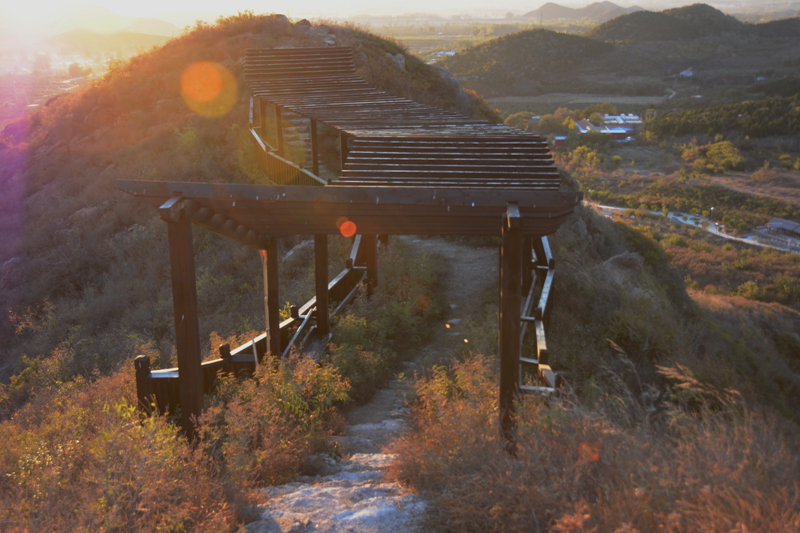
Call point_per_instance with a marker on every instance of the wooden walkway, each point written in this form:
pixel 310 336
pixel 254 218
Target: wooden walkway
pixel 406 169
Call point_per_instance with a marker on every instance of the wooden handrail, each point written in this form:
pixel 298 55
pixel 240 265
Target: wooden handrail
pixel 157 390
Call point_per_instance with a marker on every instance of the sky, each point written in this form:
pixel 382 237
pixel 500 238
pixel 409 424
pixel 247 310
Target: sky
pixel 33 14
pixel 34 19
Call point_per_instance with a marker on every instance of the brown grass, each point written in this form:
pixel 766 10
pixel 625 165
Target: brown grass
pixel 79 459
pixel 577 470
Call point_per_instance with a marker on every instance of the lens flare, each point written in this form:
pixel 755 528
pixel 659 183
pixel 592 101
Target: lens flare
pixel 348 228
pixel 209 89
pixel 201 81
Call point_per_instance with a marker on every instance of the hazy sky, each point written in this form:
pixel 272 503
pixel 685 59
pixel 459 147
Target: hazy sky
pixel 27 20
pixel 37 13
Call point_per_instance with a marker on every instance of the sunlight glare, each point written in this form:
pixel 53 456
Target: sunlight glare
pixel 209 89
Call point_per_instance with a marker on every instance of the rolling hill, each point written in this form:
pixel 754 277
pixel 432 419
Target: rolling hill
pixel 597 12
pixel 523 60
pixel 639 54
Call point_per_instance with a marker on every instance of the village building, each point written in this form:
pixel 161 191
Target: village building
pixel 781 233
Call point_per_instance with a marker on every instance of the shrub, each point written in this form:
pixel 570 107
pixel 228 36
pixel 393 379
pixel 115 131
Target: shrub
pixel 577 470
pixel 263 430
pixel 80 459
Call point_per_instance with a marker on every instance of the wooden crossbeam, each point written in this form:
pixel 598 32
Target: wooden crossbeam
pixel 255 212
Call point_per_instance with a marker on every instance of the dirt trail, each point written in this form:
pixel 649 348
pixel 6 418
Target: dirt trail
pixel 350 494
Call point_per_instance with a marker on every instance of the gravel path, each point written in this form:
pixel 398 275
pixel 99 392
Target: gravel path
pixel 351 494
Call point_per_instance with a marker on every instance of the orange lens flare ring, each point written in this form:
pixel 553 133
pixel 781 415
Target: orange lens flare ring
pixel 208 89
pixel 348 228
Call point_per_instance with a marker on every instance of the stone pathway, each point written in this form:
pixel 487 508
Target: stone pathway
pixel 351 494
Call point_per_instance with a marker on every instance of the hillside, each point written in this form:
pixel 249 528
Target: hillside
pixel 661 382
pixel 90 262
pixel 650 50
pixel 647 26
pixel 522 61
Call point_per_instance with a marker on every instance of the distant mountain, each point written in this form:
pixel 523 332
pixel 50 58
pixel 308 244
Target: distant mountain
pixel 86 42
pixel 597 12
pixel 516 63
pixel 645 26
pixel 103 20
pixel 628 60
pixel 707 17
pixel 690 22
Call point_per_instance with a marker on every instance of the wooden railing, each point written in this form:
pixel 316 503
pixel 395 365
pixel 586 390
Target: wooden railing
pixel 158 390
pixel 543 267
pixel 278 170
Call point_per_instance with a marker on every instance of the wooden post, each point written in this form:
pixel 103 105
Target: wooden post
pixel 227 358
pixel 321 279
pixel 370 244
pixel 269 267
pixel 343 148
pixel 262 116
pixel 510 301
pixel 527 267
pixel 314 147
pixel 279 130
pixel 184 300
pixel 144 392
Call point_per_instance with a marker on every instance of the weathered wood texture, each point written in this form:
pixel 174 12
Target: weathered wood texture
pixel 252 213
pixel 184 300
pixel 510 303
pixel 394 141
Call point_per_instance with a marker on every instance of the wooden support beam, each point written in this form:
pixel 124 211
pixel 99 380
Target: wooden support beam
pixel 314 147
pixel 370 244
pixel 538 248
pixel 144 391
pixel 321 279
pixel 509 337
pixel 343 148
pixel 262 119
pixel 527 267
pixel 279 130
pixel 184 300
pixel 269 267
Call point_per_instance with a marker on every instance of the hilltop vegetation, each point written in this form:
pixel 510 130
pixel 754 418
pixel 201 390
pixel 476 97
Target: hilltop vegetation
pixel 646 26
pixel 759 118
pixel 688 22
pixel 523 61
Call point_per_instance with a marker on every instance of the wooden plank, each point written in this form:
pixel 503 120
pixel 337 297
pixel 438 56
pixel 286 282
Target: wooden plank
pixel 273 194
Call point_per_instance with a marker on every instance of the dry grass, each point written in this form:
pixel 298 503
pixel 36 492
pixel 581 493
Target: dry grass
pixel 79 459
pixel 577 470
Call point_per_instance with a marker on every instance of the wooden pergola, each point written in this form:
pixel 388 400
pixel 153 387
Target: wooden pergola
pixel 407 169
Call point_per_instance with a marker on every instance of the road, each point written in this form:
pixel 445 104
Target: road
pixel 690 220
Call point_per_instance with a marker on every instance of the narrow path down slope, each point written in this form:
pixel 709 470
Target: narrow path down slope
pixel 351 495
